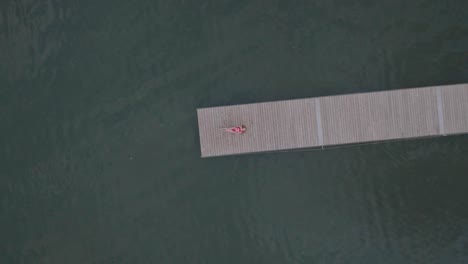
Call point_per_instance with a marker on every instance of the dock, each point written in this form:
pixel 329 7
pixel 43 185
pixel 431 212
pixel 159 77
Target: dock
pixel 328 121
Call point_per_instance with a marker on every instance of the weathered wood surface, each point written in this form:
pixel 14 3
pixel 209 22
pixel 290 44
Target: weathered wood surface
pixel 335 120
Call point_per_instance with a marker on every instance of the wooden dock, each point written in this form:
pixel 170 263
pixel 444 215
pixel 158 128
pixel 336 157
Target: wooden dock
pixel 335 120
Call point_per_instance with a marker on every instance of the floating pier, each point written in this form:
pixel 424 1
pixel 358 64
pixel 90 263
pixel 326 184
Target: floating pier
pixel 335 120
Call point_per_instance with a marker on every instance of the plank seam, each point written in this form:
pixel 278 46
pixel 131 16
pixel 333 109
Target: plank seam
pixel 318 117
pixel 440 111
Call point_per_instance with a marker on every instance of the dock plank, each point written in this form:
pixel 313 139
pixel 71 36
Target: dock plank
pixel 335 120
pixel 455 108
pixel 270 126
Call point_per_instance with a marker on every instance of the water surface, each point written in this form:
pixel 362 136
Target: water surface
pixel 99 151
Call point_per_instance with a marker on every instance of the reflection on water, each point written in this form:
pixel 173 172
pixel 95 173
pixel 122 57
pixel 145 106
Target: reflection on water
pixel 99 152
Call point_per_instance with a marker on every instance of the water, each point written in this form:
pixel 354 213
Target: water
pixel 99 151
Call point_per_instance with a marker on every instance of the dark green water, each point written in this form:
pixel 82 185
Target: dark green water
pixel 99 151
